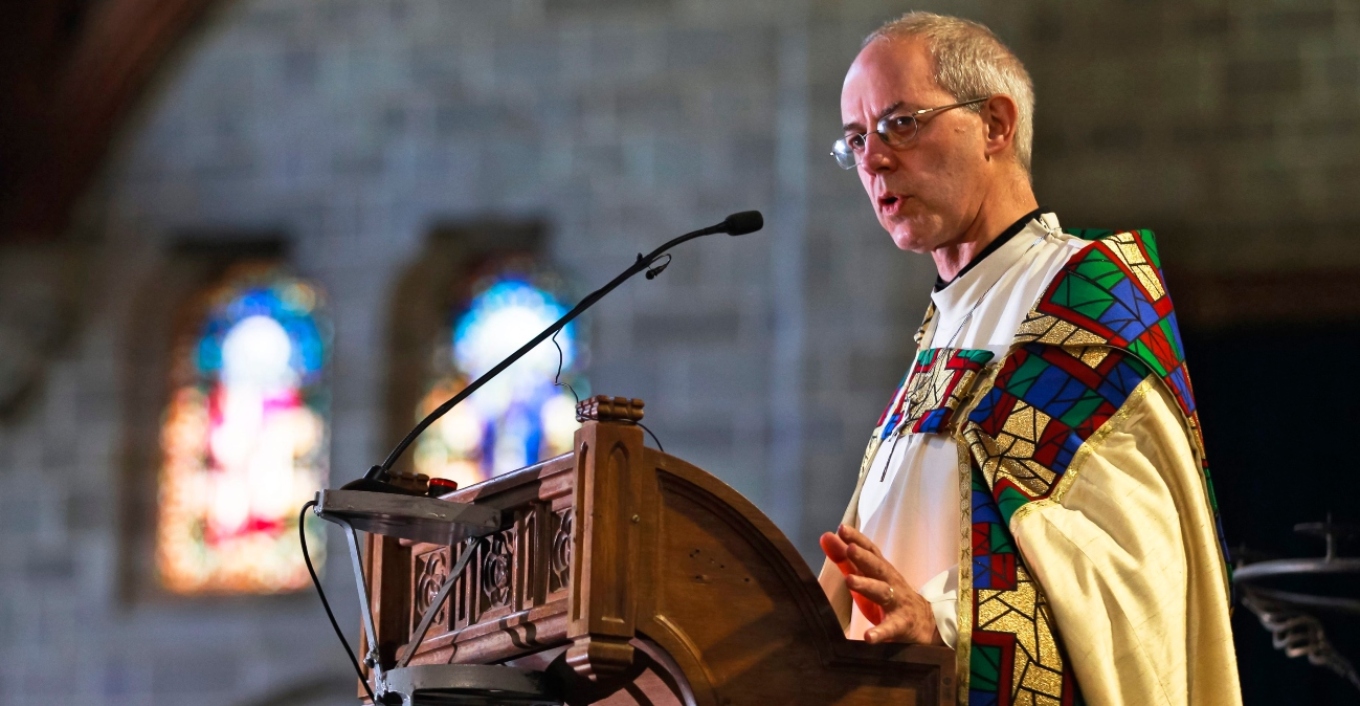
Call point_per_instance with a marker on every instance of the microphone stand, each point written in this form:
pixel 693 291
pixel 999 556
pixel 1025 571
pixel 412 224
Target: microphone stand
pixel 736 224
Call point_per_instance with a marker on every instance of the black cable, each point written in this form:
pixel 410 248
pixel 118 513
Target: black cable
pixel 302 536
pixel 561 360
pixel 655 270
pixel 659 447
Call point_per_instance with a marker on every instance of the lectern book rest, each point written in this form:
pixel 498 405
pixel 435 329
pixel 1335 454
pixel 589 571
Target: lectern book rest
pixel 628 576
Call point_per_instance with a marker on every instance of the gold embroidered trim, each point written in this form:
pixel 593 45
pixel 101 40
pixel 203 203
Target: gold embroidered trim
pixel 926 321
pixel 869 452
pixel 851 516
pixel 963 643
pixel 1022 611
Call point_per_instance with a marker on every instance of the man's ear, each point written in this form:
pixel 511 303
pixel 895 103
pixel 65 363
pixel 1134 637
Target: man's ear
pixel 1000 116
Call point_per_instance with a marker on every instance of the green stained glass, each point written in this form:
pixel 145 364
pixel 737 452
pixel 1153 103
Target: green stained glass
pixel 1083 296
pixel 1009 501
pixel 1145 354
pixel 1025 375
pixel 985 668
pixel 1150 246
pixel 1000 540
pixel 1083 408
pixel 977 356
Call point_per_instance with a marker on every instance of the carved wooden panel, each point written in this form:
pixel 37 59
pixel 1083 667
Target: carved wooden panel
pixel 500 605
pixel 431 569
pixel 559 575
pixel 495 556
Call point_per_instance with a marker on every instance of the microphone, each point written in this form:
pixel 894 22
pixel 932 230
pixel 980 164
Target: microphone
pixel 743 223
pixel 376 477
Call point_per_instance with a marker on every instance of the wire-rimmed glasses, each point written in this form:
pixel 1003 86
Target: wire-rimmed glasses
pixel 895 130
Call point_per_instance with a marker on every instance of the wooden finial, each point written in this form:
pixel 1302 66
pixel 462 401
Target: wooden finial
pixel 604 408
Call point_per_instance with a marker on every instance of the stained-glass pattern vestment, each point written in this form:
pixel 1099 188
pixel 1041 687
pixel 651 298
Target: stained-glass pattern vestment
pixel 1092 552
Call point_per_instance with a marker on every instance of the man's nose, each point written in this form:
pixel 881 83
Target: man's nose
pixel 878 156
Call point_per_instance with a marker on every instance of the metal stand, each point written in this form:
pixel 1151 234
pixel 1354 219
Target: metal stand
pixel 469 685
pixel 1288 614
pixel 433 521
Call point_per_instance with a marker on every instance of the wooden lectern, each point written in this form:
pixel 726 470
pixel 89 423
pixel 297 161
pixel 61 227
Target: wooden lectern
pixel 632 577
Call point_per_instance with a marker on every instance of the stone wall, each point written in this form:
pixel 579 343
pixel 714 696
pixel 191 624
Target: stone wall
pixel 356 127
pixel 1229 127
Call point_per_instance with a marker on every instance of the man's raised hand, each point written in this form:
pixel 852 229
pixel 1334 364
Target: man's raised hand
pixel 903 615
pixel 834 548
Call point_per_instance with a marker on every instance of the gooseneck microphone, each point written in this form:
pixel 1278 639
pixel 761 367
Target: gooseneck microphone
pixel 743 223
pixel 735 224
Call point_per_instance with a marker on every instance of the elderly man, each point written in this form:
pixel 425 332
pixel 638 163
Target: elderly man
pixel 1034 495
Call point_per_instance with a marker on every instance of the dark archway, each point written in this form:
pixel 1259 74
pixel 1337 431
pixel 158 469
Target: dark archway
pixel 70 72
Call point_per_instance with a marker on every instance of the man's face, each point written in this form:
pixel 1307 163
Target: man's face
pixel 926 193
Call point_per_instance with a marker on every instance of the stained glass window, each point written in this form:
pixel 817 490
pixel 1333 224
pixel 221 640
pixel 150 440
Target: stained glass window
pixel 520 416
pixel 244 438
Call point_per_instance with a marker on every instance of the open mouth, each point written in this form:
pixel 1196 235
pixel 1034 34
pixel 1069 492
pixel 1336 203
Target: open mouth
pixel 888 203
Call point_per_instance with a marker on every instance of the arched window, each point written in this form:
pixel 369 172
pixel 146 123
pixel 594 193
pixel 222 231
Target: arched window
pixel 244 437
pixel 522 415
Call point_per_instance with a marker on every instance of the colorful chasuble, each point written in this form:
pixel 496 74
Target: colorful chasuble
pixel 1103 326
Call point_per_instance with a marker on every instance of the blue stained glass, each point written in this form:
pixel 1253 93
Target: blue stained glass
pixel 287 303
pixel 521 415
pixel 209 354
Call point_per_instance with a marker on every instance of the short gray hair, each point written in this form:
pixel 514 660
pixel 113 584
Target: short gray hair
pixel 970 62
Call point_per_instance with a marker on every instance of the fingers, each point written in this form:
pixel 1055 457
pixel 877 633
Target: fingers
pixel 895 626
pixel 871 565
pixel 865 556
pixel 909 620
pixel 870 561
pixel 875 590
pixel 892 629
pixel 904 616
pixel 850 535
pixel 899 627
pixel 834 547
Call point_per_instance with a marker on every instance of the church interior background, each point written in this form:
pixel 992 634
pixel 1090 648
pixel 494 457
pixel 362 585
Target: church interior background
pixel 305 222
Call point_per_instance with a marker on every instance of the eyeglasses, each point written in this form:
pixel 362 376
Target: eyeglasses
pixel 895 130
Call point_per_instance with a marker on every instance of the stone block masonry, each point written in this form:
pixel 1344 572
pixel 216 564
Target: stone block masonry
pixel 354 128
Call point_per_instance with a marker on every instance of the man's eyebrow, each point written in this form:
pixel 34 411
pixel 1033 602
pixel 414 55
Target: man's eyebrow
pixel 885 113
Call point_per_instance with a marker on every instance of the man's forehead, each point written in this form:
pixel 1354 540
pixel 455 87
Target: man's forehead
pixel 884 73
